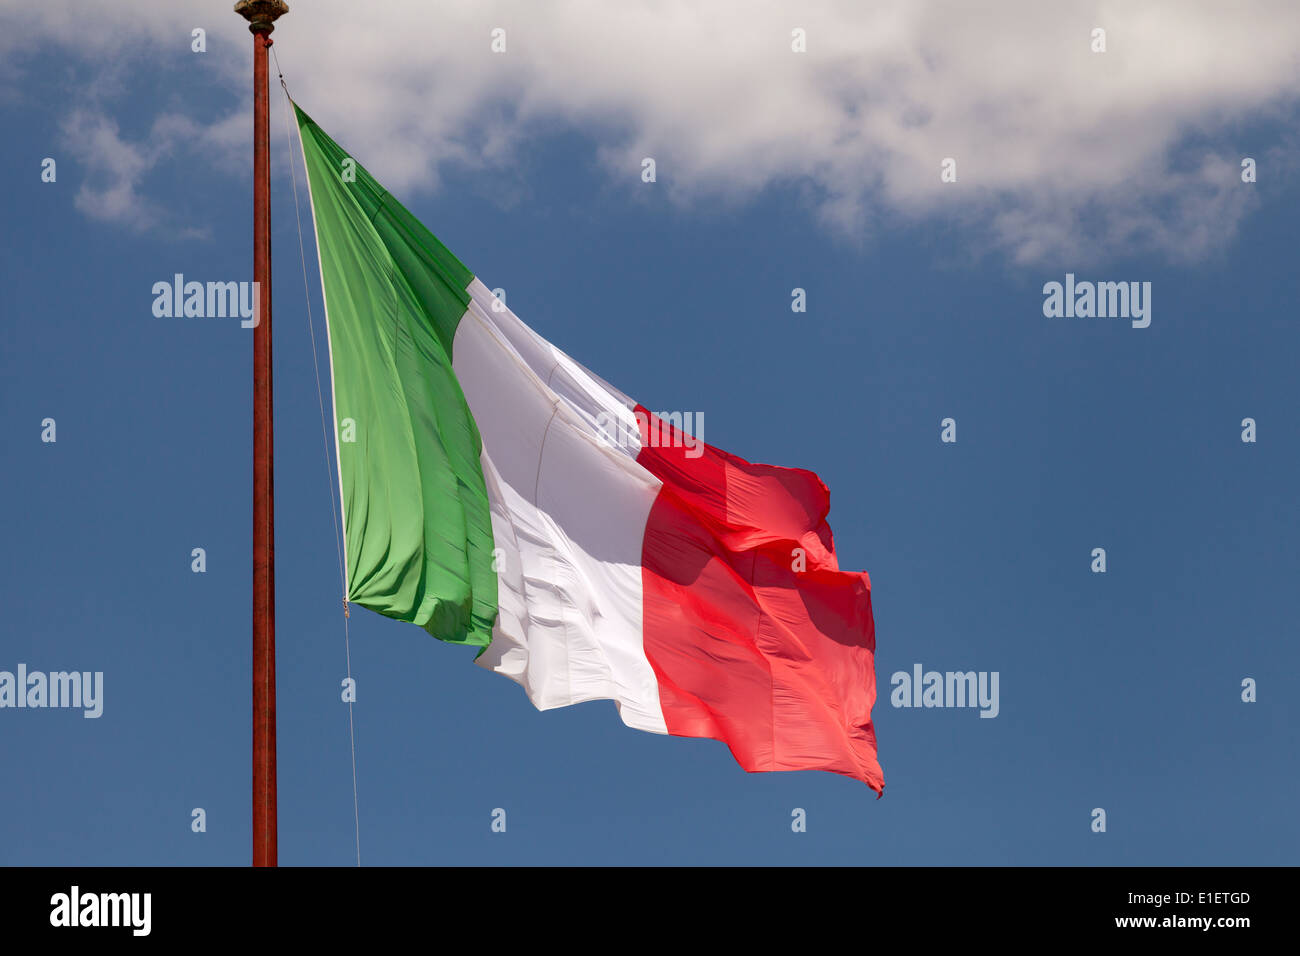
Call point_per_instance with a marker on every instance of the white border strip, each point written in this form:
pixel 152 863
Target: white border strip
pixel 334 411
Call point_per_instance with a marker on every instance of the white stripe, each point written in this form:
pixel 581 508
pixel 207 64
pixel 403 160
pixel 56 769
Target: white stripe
pixel 569 509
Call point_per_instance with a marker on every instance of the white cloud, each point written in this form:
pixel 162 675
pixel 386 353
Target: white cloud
pixel 115 168
pixel 1060 151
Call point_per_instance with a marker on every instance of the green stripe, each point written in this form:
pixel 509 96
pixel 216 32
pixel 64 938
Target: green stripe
pixel 419 536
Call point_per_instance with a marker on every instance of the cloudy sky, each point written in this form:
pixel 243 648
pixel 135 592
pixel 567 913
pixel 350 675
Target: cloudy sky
pixel 818 170
pixel 1059 149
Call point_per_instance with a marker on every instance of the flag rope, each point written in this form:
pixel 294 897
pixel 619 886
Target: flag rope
pixel 338 545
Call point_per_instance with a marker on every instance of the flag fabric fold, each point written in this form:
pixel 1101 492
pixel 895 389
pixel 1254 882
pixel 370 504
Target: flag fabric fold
pixel 498 494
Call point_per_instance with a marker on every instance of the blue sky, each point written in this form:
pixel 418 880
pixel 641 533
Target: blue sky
pixel 1119 690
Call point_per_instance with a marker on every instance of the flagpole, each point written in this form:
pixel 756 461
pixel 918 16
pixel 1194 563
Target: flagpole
pixel 261 16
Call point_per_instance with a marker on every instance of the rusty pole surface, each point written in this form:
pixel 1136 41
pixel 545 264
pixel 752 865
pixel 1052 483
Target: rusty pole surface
pixel 261 15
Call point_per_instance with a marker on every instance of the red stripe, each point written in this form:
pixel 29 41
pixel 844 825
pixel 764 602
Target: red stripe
pixel 778 664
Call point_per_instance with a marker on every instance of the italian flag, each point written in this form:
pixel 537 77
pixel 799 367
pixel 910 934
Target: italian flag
pixel 498 494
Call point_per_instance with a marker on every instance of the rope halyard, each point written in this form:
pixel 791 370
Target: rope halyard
pixel 338 542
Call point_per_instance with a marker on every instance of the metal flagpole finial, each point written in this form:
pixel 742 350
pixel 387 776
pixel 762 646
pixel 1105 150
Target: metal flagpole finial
pixel 261 14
